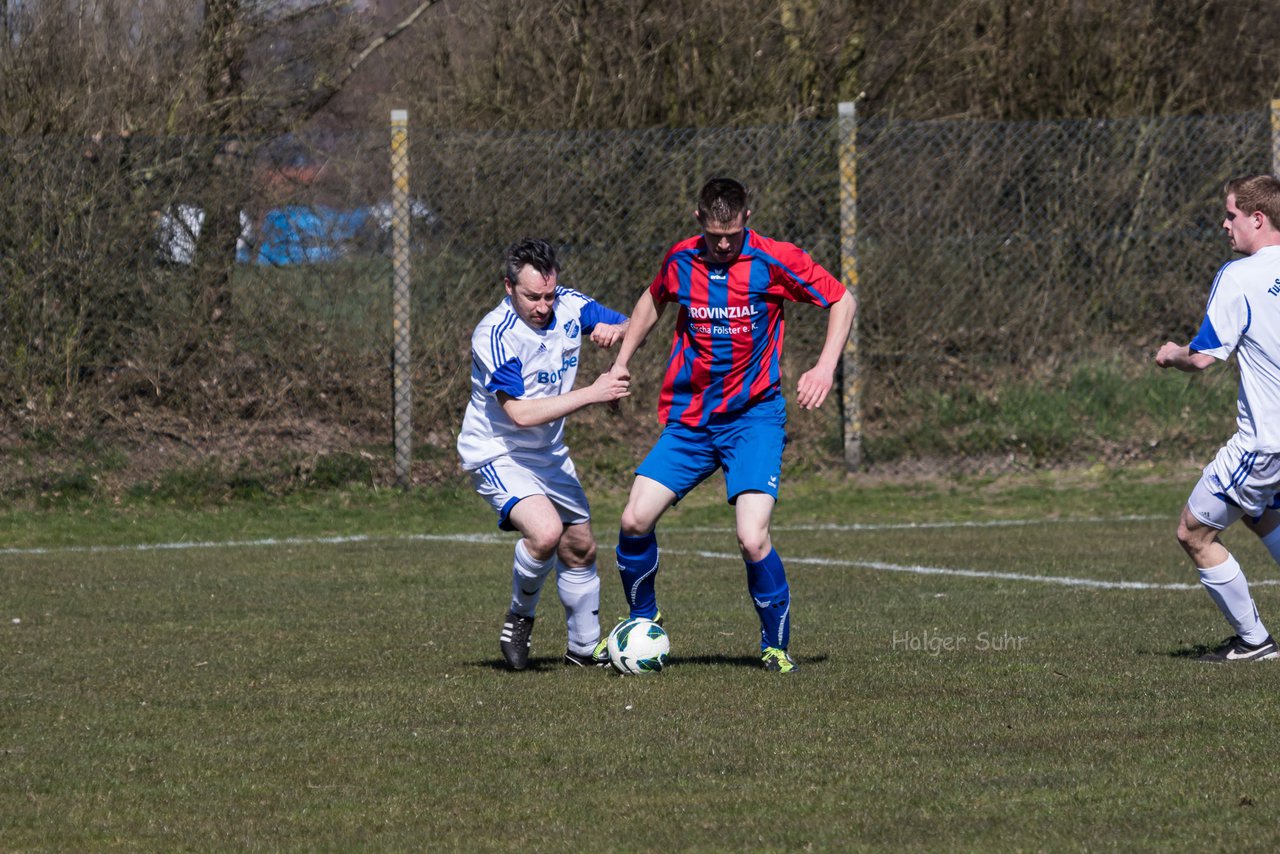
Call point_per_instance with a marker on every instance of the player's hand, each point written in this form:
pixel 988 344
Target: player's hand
pixel 608 387
pixel 813 388
pixel 608 334
pixel 1167 354
pixel 619 372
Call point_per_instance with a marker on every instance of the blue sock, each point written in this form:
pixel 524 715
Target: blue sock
pixel 767 582
pixel 638 564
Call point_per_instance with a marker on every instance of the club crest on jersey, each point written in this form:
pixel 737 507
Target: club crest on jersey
pixel 572 328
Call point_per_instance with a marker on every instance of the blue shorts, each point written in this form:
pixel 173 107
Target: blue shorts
pixel 748 448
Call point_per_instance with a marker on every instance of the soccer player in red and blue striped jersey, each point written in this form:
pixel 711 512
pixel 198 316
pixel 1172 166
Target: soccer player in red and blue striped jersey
pixel 721 403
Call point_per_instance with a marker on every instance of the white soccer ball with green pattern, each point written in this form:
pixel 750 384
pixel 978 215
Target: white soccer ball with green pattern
pixel 638 646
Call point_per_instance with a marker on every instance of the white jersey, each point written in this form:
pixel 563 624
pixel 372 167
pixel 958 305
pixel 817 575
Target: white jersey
pixel 1243 317
pixel 508 355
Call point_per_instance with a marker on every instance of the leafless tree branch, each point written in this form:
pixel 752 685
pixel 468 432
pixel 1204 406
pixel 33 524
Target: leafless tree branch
pixel 331 89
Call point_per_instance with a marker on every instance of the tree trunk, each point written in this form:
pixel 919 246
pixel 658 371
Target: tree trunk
pixel 223 42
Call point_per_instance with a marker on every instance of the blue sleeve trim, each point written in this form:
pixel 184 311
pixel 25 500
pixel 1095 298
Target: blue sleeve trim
pixel 509 378
pixel 1206 339
pixel 593 313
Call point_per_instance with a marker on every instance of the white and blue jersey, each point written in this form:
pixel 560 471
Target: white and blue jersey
pixel 509 356
pixel 1243 317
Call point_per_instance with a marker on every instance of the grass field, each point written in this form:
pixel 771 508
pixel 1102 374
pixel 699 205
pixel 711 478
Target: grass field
pixel 986 664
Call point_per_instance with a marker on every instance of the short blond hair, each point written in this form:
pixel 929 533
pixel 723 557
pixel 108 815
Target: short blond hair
pixel 1257 193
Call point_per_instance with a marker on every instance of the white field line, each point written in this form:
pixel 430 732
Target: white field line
pixel 880 566
pixel 502 538
pixel 266 542
pixel 181 545
pixel 924 526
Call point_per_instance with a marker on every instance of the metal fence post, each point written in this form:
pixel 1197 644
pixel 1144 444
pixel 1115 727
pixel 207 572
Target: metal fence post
pixel 1275 136
pixel 401 380
pixel 851 383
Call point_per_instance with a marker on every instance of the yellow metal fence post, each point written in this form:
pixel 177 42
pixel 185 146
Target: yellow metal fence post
pixel 401 379
pixel 1275 136
pixel 851 382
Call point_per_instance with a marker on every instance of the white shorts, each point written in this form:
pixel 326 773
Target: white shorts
pixel 1237 483
pixel 504 481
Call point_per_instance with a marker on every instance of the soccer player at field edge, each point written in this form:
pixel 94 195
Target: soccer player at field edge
pixel 524 359
pixel 721 402
pixel 1242 481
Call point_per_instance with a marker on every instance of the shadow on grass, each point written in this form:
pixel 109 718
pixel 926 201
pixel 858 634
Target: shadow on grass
pixel 545 663
pixel 1193 652
pixel 738 660
pixel 550 662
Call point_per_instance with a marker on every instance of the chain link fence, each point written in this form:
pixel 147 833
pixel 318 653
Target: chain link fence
pixel 200 284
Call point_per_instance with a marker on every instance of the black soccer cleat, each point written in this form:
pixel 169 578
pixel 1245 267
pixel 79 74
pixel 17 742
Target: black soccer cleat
pixel 517 631
pixel 1236 649
pixel 573 659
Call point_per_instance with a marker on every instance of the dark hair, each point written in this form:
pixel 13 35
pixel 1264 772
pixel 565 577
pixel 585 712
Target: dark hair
pixel 537 253
pixel 722 200
pixel 1256 193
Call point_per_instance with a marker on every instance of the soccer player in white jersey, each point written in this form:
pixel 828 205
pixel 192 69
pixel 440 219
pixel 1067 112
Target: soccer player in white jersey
pixel 524 358
pixel 1242 317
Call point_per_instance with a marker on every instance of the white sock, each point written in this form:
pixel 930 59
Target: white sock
pixel 1229 589
pixel 1272 542
pixel 527 576
pixel 580 594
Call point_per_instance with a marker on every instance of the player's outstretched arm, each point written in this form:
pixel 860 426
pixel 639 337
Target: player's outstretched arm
pixel 1180 356
pixel 543 410
pixel 643 318
pixel 815 384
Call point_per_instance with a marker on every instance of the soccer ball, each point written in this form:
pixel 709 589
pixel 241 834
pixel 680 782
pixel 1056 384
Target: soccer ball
pixel 638 646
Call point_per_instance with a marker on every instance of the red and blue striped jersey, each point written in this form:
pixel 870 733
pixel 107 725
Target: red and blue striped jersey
pixel 726 356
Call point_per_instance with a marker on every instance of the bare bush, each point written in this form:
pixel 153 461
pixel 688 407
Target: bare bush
pixel 159 161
